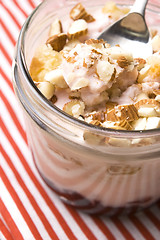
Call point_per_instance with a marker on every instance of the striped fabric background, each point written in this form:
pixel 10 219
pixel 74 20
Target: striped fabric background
pixel 29 209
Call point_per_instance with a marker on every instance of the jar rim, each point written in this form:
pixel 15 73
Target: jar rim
pixel 20 56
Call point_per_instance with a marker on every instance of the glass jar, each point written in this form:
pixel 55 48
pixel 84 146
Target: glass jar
pixel 93 169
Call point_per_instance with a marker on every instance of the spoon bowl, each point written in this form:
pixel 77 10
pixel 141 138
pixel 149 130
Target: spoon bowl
pixel 131 32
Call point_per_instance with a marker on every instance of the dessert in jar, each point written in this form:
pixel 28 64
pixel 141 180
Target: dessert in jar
pixel 94 116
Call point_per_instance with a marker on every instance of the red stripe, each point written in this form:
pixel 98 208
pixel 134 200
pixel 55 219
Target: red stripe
pixel 20 206
pixel 14 118
pixel 6 233
pixel 6 79
pixel 8 33
pixel 153 218
pixel 5 54
pixel 21 9
pixel 103 228
pixel 10 222
pixel 143 230
pixel 31 4
pixel 81 224
pixel 11 15
pixel 30 197
pixel 122 228
pixel 50 204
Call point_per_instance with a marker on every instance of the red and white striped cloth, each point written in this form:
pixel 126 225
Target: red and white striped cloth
pixel 29 209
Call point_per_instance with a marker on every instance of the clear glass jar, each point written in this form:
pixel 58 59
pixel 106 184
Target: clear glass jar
pixel 111 171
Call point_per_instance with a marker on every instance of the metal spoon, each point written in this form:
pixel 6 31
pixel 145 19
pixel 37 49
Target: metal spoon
pixel 131 32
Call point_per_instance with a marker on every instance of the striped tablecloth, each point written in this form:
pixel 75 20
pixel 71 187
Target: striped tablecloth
pixel 29 209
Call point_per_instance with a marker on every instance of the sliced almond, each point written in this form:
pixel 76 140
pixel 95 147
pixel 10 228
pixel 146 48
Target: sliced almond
pixel 123 125
pixel 57 42
pixel 74 108
pixel 71 44
pixel 98 116
pixel 56 77
pixel 47 89
pixel 156 92
pixel 110 105
pixel 123 112
pixel 96 123
pixel 142 96
pixel 105 71
pixel 77 29
pixel 157 98
pixel 117 52
pixel 152 103
pixel 79 12
pixel 55 28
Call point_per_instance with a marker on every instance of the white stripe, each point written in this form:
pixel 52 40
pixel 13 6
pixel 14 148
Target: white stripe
pixel 93 227
pixel 25 201
pixel 7 44
pixel 25 6
pixel 131 228
pixel 148 225
pixel 64 212
pixel 32 188
pixel 14 132
pixel 15 213
pixel 2 237
pixel 114 230
pixel 8 21
pixel 15 11
pixel 5 66
pixel 10 96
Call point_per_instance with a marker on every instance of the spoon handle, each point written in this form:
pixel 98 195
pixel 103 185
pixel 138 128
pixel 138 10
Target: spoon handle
pixel 139 6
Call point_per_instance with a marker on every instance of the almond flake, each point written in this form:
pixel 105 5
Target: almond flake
pixel 152 103
pixel 57 42
pixel 77 29
pixel 123 112
pixel 55 28
pixel 105 70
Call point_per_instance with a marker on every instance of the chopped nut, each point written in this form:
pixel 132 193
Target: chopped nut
pixel 71 44
pixel 54 99
pixel 123 112
pixel 140 62
pixel 47 89
pixel 57 41
pixel 74 108
pixel 79 12
pixel 156 43
pixel 105 70
pixel 147 112
pixel 77 29
pixel 56 77
pixel 55 28
pixel 123 62
pixel 152 122
pixel 156 92
pixel 139 124
pixel 80 83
